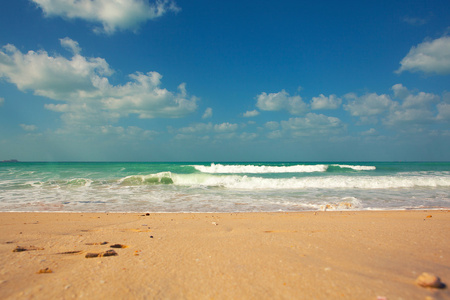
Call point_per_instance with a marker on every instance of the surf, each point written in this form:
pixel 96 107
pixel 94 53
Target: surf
pixel 267 169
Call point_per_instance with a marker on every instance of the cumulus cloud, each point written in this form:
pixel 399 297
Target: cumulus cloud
pixel 367 105
pixel 281 101
pixel 404 108
pixel 412 109
pixel 272 125
pixel 82 84
pixel 209 127
pixel 248 136
pixel 428 57
pixel 251 113
pixel 112 15
pixel 313 125
pixel 412 116
pixel 370 132
pixel 28 127
pixel 420 100
pixel 225 127
pixel 117 132
pixel 323 102
pixel 70 45
pixel 208 113
pixel 207 131
pixel 443 111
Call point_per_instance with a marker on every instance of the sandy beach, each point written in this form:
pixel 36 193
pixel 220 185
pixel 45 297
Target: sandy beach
pixel 308 255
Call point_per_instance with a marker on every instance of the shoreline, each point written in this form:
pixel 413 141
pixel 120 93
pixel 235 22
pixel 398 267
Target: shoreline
pixel 350 210
pixel 343 254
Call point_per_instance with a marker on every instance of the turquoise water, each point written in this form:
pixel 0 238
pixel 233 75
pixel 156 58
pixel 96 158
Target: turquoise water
pixel 223 187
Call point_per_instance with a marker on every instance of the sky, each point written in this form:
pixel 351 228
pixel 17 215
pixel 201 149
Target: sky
pixel 145 80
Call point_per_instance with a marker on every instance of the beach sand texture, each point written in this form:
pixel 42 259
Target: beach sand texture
pixel 307 255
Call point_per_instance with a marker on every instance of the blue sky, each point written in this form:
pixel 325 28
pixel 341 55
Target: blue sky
pixel 138 80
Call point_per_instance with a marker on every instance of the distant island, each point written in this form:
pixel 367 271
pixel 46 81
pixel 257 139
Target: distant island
pixel 10 160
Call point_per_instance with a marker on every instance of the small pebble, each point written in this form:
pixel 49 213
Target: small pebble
pixel 46 270
pixel 119 246
pixel 429 280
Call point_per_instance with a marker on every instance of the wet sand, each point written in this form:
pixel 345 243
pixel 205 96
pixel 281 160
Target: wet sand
pixel 323 255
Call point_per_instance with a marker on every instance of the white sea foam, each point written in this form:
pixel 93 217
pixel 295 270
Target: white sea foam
pixel 252 169
pixel 260 169
pixel 357 168
pixel 347 182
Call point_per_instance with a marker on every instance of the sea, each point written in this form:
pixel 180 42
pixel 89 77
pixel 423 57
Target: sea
pixel 222 187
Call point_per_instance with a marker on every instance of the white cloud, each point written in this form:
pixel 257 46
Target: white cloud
pixel 272 125
pixel 414 109
pixel 113 15
pixel 313 125
pixel 208 113
pixel 367 105
pixel 70 45
pixel 322 102
pixel 209 127
pixel 281 101
pixel 410 116
pixel 83 85
pixel 443 111
pixel 248 136
pixel 2 100
pixel 421 100
pixel 225 127
pixel 28 127
pixel 276 134
pixel 197 128
pixel 400 91
pixel 409 109
pixel 53 77
pixel 119 132
pixel 370 132
pixel 251 113
pixel 429 57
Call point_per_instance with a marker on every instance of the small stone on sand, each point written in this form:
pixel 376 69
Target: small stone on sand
pixel 119 246
pixel 102 254
pixel 46 270
pixel 429 280
pixel 30 248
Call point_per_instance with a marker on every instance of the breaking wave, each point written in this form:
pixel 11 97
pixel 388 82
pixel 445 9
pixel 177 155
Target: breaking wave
pixel 260 183
pixel 255 169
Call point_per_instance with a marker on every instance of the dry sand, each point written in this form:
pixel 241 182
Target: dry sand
pixel 323 255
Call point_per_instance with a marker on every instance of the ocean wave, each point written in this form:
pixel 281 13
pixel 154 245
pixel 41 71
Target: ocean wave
pixel 356 167
pixel 158 178
pixel 328 182
pixel 256 169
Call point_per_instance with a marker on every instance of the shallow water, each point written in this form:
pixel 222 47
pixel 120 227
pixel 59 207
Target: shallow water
pixel 223 187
